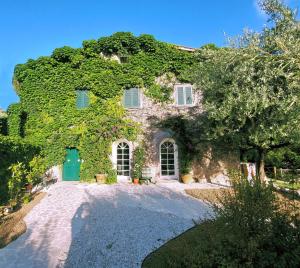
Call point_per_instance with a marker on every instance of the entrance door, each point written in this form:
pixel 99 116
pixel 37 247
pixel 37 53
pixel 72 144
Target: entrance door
pixel 71 167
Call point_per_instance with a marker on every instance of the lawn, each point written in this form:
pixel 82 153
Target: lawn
pixel 287 185
pixel 173 252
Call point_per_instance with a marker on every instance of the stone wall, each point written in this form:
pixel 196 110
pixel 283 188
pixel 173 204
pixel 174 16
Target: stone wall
pixel 212 161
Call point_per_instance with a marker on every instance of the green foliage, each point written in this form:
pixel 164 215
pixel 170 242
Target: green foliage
pixel 111 176
pixel 14 119
pixel 286 157
pixel 65 54
pixel 47 89
pixel 160 93
pixel 138 162
pixel 23 174
pixel 17 180
pixel 36 170
pixel 251 90
pixel 121 43
pixel 13 150
pixel 3 123
pixel 249 231
pixel 26 198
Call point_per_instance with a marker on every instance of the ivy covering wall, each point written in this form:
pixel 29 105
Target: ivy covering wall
pixel 47 115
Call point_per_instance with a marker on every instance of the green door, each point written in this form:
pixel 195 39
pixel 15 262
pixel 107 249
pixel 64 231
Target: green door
pixel 71 168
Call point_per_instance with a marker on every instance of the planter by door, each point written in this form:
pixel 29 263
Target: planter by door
pixel 71 168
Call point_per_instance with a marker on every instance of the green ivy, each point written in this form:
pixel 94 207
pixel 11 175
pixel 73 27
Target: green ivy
pixel 138 162
pixel 47 115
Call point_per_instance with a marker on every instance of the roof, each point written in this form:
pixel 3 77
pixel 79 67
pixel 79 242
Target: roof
pixel 190 49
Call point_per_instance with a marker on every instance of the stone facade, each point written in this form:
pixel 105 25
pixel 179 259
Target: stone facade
pixel 211 162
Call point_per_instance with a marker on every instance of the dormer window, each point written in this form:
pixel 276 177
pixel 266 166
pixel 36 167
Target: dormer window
pixel 82 99
pixel 131 98
pixel 184 95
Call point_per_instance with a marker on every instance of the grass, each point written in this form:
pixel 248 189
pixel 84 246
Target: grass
pixel 13 225
pixel 176 250
pixel 211 196
pixel 287 185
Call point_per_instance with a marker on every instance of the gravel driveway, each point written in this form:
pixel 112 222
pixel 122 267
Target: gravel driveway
pixel 87 225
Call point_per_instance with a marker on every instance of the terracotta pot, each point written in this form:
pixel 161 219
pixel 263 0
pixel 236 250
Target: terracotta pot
pixel 187 178
pixel 136 181
pixel 28 187
pixel 101 178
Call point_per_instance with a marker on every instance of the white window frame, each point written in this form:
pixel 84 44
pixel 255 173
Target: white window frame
pixel 114 159
pixel 184 92
pixel 140 99
pixel 176 168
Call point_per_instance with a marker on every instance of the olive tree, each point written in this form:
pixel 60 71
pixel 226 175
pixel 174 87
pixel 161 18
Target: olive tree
pixel 251 89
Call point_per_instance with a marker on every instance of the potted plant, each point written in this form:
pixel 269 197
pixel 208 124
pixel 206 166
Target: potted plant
pixel 186 171
pixel 138 163
pixel 101 178
pixel 136 181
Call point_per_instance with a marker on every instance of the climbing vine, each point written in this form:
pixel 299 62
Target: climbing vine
pixel 47 115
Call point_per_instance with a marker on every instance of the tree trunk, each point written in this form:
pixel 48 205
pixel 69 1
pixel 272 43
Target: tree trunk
pixel 261 166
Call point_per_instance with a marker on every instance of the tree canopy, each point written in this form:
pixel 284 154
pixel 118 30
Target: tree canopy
pixel 251 89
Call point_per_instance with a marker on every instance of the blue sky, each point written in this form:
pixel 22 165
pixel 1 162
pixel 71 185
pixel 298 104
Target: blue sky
pixel 33 28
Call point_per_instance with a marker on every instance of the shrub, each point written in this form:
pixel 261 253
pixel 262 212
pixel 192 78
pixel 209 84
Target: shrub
pixel 249 231
pixel 13 150
pixel 37 169
pixel 17 180
pixel 138 162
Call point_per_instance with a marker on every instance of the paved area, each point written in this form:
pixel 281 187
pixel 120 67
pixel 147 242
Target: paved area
pixel 89 225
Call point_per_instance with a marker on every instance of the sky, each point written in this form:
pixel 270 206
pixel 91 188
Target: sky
pixel 33 28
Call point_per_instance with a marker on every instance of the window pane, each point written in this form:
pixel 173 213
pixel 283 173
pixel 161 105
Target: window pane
pixel 123 163
pixel 171 167
pixel 171 156
pixel 170 161
pixel 167 163
pixel 127 98
pixel 188 95
pixel 180 96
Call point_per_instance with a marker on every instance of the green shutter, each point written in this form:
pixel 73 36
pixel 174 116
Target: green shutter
pixel 82 100
pixel 135 97
pixel 127 98
pixel 180 96
pixel 131 98
pixel 188 95
pixel 86 100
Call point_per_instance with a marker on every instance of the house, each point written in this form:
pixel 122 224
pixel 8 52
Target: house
pixel 90 108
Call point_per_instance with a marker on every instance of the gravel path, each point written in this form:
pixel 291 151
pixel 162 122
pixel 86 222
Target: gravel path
pixel 87 225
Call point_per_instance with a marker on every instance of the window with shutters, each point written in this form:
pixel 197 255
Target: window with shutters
pixel 82 100
pixel 184 95
pixel 131 98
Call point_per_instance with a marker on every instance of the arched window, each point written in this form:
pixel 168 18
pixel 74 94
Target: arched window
pixel 123 159
pixel 167 158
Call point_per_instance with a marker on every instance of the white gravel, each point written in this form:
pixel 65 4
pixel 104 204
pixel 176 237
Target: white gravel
pixel 88 225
